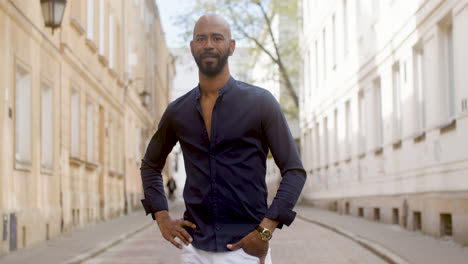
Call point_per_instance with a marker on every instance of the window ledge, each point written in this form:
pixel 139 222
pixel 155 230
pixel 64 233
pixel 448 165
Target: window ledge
pixel 448 126
pixel 103 60
pixel 91 45
pixel 47 170
pixel 23 165
pixel 378 151
pixel 118 175
pixel 91 166
pixel 397 144
pixel 419 137
pixel 75 161
pixel 112 72
pixel 77 26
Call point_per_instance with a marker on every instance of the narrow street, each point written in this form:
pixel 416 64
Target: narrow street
pixel 301 243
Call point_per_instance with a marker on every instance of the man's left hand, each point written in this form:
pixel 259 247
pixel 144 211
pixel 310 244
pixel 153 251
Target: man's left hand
pixel 253 245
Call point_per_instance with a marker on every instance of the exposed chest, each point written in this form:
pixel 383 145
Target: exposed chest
pixel 207 105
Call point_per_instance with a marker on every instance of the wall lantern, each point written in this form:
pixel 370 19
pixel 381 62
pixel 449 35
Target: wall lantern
pixel 52 11
pixel 145 98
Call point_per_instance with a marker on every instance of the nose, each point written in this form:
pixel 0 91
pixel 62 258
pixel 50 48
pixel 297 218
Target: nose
pixel 208 44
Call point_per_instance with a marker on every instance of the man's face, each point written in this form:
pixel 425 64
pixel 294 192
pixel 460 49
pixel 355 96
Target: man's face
pixel 211 47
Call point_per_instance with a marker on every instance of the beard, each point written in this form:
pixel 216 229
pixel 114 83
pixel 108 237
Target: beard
pixel 212 69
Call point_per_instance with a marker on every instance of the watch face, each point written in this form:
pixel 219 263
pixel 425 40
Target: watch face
pixel 266 235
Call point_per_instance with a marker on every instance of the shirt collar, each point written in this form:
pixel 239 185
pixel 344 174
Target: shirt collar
pixel 221 90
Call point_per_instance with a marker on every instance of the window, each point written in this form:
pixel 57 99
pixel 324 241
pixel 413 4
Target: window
pixel 23 116
pixel 362 129
pixel 112 148
pixel 90 133
pixel 318 161
pixel 335 136
pixel 309 147
pixel 47 127
pixel 333 42
pixel 326 142
pixel 111 42
pixel 307 77
pixel 349 129
pixel 378 114
pixel 102 29
pixel 75 124
pixel 396 102
pixel 138 143
pixel 120 150
pixel 419 111
pixel 324 55
pixel 316 65
pixel 345 26
pixel 90 21
pixel 447 70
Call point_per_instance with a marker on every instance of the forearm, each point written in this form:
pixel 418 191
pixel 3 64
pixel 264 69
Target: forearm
pixel 269 224
pixel 161 215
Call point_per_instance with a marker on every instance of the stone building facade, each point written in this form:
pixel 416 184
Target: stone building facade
pixel 74 115
pixel 384 114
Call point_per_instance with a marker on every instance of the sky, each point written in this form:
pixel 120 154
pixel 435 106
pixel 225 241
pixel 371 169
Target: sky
pixel 168 10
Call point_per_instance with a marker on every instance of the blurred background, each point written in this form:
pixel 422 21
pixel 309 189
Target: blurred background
pixel 374 92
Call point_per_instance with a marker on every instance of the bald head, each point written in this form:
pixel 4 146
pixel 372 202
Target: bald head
pixel 213 23
pixel 212 45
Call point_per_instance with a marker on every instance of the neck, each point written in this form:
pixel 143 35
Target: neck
pixel 211 85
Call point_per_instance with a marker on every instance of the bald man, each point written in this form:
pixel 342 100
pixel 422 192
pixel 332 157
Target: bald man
pixel 226 128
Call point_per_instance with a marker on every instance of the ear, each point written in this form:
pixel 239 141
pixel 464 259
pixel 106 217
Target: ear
pixel 191 47
pixel 232 45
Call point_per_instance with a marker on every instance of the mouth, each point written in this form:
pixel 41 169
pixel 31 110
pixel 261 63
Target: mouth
pixel 209 56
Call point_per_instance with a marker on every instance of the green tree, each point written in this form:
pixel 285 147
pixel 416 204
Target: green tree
pixel 269 27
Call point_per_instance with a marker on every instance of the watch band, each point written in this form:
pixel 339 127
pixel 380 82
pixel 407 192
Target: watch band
pixel 265 233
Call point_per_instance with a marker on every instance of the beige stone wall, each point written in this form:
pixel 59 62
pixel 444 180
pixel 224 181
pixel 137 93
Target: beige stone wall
pixel 77 190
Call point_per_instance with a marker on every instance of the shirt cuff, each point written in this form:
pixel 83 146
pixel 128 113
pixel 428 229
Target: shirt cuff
pixel 149 209
pixel 281 214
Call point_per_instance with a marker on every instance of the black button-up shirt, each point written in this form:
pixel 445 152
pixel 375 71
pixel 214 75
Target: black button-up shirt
pixel 225 191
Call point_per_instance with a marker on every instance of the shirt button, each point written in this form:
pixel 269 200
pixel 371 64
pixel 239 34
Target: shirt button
pixel 212 156
pixel 217 227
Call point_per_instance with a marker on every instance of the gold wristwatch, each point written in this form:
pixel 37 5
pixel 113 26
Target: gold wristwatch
pixel 265 233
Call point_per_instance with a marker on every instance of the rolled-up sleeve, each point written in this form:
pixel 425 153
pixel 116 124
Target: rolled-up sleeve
pixel 158 149
pixel 286 156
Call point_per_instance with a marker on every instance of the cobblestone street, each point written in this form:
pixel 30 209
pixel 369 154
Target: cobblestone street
pixel 301 243
pixel 316 236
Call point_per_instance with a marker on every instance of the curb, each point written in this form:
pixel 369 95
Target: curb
pixel 384 253
pixel 102 247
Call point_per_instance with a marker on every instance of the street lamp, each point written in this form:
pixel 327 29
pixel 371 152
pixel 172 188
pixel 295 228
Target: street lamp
pixel 145 97
pixel 52 11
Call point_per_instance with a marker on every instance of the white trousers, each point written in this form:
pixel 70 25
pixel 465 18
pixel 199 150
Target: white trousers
pixel 191 255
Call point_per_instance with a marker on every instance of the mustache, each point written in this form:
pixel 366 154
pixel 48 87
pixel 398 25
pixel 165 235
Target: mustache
pixel 209 54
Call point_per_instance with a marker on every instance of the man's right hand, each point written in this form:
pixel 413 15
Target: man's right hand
pixel 170 229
